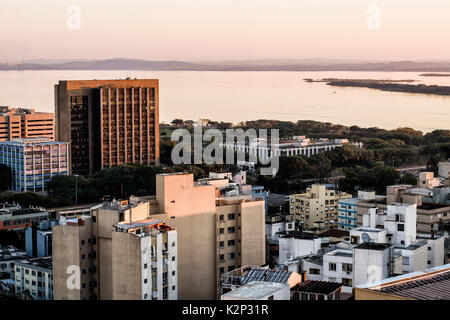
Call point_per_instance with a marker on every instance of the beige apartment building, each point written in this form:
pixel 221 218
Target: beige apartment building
pixel 429 215
pixel 119 253
pixel 317 208
pixel 215 233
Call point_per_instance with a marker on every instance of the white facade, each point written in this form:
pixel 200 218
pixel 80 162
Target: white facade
pixel 374 234
pixel 338 267
pixel 291 247
pixel 273 228
pixel 371 264
pixel 401 223
pixel 34 279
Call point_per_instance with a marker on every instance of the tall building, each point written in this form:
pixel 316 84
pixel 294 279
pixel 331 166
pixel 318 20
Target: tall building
pixel 108 122
pixel 317 208
pixel 25 123
pixel 216 233
pixel 34 161
pixel 38 239
pixel 116 253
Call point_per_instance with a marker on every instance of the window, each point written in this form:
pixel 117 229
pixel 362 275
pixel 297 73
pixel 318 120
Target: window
pixel 221 217
pixel 347 282
pixel 145 280
pixel 173 258
pixel 231 230
pixel 145 266
pixel 270 298
pixel 222 257
pixel 83 256
pixel 222 244
pixel 231 216
pixel 173 273
pixel 82 242
pixel 173 243
pixel 314 271
pixel 231 268
pixel 405 260
pixel 221 231
pixel 173 288
pixel 332 266
pixel 230 242
pixel 145 296
pixel 347 267
pixel 231 255
pixel 401 227
pixel 222 270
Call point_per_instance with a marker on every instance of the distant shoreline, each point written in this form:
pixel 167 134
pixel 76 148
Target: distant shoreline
pixel 144 65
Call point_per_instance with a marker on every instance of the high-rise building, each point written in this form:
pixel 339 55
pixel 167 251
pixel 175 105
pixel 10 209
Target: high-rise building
pixel 25 123
pixel 116 253
pixel 216 233
pixel 317 208
pixel 34 161
pixel 108 122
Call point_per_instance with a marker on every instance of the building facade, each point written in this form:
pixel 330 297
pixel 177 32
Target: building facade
pixel 317 208
pixel 14 217
pixel 34 279
pixel 25 123
pixel 120 253
pixel 34 161
pixel 108 122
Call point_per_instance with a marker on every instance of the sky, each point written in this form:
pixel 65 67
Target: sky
pixel 197 30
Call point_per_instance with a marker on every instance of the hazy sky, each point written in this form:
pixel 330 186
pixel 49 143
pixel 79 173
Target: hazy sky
pixel 225 29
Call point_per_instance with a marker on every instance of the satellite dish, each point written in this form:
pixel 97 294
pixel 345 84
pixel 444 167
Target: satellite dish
pixel 365 238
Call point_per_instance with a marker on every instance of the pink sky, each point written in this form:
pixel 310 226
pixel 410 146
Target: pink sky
pixel 219 29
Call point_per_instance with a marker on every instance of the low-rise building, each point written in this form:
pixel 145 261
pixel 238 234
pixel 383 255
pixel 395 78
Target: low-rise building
pixel 8 256
pixel 429 284
pixel 34 279
pixel 259 290
pixel 316 290
pixel 16 217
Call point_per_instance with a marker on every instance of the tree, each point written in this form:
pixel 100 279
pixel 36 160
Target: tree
pixel 5 177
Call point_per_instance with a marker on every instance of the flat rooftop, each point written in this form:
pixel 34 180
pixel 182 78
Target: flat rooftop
pixel 138 224
pixel 256 290
pixel 45 262
pixel 431 284
pixel 373 246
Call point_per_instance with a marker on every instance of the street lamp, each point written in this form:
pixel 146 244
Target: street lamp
pixel 76 189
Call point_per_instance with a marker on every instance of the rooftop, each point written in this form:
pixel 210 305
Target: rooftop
pixel 297 235
pixel 256 290
pixel 45 263
pixel 373 246
pixel 320 287
pixel 431 284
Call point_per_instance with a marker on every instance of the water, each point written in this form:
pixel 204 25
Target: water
pixel 240 96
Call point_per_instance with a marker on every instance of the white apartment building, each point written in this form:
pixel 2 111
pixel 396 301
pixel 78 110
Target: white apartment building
pixel 338 267
pixel 293 244
pixel 34 279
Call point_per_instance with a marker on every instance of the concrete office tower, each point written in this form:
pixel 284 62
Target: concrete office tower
pixel 108 122
pixel 25 123
pixel 119 251
pixel 215 234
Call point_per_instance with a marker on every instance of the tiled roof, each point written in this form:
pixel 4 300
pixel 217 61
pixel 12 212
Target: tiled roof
pixel 428 286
